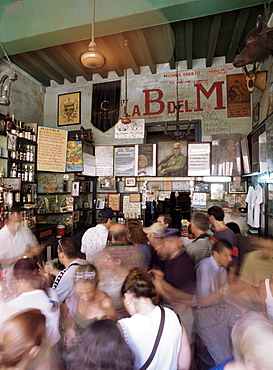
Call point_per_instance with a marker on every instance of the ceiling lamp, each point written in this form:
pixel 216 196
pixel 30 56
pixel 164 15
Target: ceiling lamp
pixel 125 119
pixel 6 77
pixel 93 59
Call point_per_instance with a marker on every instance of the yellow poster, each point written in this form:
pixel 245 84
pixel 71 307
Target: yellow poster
pixel 51 152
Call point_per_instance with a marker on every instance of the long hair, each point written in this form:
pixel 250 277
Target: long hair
pixel 135 231
pixel 19 335
pixel 138 283
pixel 103 348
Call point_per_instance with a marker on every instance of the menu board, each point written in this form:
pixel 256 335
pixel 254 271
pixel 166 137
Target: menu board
pixel 51 152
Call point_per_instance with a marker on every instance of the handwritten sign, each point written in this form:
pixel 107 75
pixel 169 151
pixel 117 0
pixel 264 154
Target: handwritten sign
pixel 51 154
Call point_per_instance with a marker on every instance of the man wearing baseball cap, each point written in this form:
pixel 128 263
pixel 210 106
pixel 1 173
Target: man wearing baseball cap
pixel 95 238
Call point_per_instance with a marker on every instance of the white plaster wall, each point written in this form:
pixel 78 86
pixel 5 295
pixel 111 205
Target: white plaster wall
pixel 213 121
pixel 26 97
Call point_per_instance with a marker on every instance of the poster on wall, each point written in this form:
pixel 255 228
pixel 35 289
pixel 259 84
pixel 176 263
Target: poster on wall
pixel 226 155
pixel 198 159
pixel 238 96
pixel 130 209
pixel 74 156
pixel 124 161
pixel 145 160
pixel 133 130
pixel 69 109
pixel 51 152
pixel 89 165
pixel 172 158
pixel 104 160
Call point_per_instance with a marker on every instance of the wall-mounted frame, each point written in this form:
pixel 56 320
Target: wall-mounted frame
pixel 130 181
pixel 245 155
pixel 114 201
pixel 237 187
pixel 76 217
pixel 199 155
pixel 145 160
pixel 75 188
pixel 12 139
pixel 69 109
pixel 100 203
pixel 107 183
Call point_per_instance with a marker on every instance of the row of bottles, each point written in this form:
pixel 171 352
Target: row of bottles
pixel 18 128
pixel 24 172
pixel 23 153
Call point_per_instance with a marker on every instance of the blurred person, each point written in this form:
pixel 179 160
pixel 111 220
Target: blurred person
pixel 154 233
pixel 165 220
pixel 266 296
pixel 22 339
pixel 188 239
pixel 102 347
pixel 118 234
pixel 213 309
pixel 63 284
pixel 92 304
pixel 140 330
pixel 118 259
pixel 95 238
pixel 32 292
pixel 222 232
pixel 16 241
pixel 175 283
pixel 137 236
pixel 201 247
pixel 252 340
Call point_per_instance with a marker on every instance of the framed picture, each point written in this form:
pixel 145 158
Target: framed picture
pixel 69 109
pixel 107 183
pixel 172 158
pixel 199 159
pixel 114 201
pixel 145 160
pixel 124 161
pixel 75 188
pixel 217 191
pixel 86 205
pixel 100 203
pixel 130 181
pixel 11 145
pixel 237 187
pixel 76 216
pixel 245 155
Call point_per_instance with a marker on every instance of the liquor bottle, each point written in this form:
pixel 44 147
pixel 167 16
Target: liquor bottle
pixel 31 154
pixel 30 174
pixel 8 121
pixel 13 126
pixel 19 171
pixel 28 154
pixel 26 173
pixel 21 133
pixel 33 135
pixel 13 170
pixel 2 175
pixel 17 197
pixel 28 134
pixel 24 154
pixel 29 194
pixel 21 153
pixel 24 195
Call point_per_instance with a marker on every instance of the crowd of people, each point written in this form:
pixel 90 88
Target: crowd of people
pixel 133 297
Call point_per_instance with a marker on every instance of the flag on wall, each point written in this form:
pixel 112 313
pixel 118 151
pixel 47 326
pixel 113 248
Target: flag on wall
pixel 105 105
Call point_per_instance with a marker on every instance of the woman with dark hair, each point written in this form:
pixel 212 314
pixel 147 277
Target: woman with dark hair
pixel 22 337
pixel 32 292
pixel 102 347
pixel 141 329
pixel 138 238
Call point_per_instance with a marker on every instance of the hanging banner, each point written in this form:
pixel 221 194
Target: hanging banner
pixel 74 157
pixel 105 105
pixel 51 153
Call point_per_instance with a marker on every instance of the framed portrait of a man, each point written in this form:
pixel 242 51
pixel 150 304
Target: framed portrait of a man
pixel 172 158
pixel 145 160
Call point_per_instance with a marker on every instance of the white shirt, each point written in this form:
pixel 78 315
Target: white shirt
pixel 140 333
pixel 39 299
pixel 12 246
pixel 254 198
pixel 94 240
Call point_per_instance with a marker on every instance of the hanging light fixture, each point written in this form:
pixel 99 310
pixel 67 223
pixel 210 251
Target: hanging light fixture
pixel 93 59
pixel 6 77
pixel 125 119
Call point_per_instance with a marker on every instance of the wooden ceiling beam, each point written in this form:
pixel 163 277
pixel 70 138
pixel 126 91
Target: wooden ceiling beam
pixel 46 56
pixel 45 69
pixel 213 37
pixel 105 45
pixel 146 49
pixel 237 34
pixel 30 69
pixel 131 62
pixel 72 54
pixel 189 43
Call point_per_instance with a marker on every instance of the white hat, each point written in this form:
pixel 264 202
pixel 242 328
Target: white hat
pixel 156 228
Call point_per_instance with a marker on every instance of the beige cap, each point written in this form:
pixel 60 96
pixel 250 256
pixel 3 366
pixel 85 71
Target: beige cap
pixel 156 228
